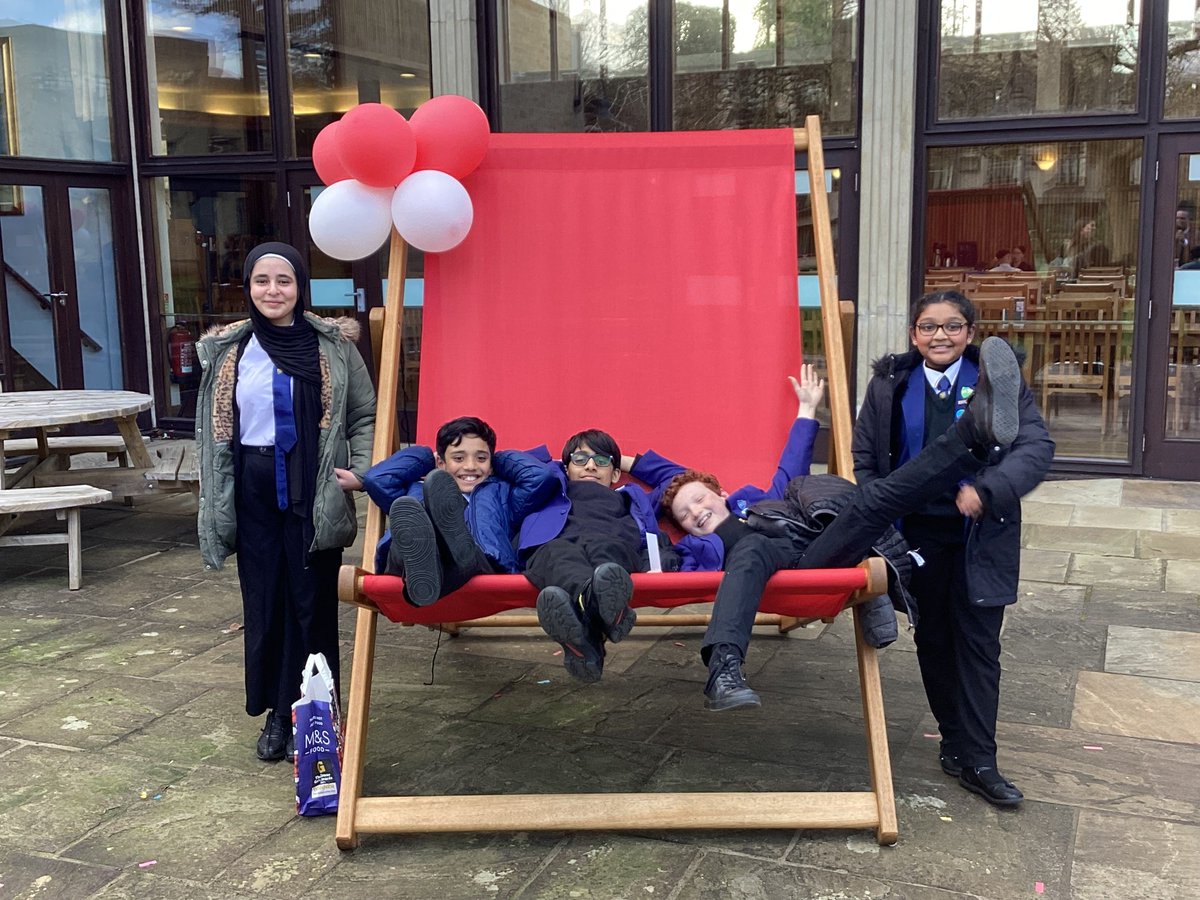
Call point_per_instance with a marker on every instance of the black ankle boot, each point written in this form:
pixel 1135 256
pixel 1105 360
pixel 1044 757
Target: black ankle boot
pixel 275 734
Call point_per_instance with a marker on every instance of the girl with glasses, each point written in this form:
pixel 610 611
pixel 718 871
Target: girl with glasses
pixel 969 538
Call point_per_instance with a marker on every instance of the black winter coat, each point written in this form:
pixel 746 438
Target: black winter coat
pixel 993 545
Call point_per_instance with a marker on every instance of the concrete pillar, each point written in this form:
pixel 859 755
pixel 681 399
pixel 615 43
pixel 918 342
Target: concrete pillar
pixel 889 59
pixel 453 49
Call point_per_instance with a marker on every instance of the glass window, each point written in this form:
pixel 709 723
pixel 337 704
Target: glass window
pixel 812 335
pixel 1007 58
pixel 203 228
pixel 1183 60
pixel 1183 348
pixel 207 67
pixel 348 52
pixel 55 91
pixel 765 63
pixel 32 354
pixel 1044 237
pixel 574 65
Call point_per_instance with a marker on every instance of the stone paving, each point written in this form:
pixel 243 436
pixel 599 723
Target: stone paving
pixel 127 766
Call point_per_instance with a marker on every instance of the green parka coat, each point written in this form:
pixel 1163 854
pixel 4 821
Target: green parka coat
pixel 346 433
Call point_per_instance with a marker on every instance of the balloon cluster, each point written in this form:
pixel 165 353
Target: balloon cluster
pixel 382 169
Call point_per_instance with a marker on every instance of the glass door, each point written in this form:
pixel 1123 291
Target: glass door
pixel 1172 427
pixel 59 307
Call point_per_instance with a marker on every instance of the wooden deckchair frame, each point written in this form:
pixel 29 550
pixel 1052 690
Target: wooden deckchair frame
pixel 875 808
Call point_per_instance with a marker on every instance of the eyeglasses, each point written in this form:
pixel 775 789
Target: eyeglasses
pixel 579 458
pixel 930 328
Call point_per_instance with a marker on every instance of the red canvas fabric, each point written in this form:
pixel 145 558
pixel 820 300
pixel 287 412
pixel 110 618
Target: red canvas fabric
pixel 801 593
pixel 644 284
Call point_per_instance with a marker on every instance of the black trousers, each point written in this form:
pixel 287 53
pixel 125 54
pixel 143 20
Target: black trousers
pixel 958 645
pixel 569 562
pixel 844 542
pixel 289 596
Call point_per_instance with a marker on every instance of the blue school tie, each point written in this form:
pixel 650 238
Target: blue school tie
pixel 943 388
pixel 285 432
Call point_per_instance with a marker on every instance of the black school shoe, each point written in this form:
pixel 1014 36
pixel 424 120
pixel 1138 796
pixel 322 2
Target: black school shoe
pixel 413 552
pixel 988 783
pixel 727 687
pixel 447 510
pixel 995 407
pixel 607 598
pixel 276 734
pixel 564 621
pixel 950 764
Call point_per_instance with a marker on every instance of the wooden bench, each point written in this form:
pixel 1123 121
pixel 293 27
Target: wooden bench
pixel 65 501
pixel 176 467
pixel 69 445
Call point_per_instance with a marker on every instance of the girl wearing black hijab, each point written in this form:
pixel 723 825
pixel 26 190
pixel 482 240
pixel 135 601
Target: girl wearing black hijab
pixel 284 426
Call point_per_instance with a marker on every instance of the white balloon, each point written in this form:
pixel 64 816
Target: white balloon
pixel 432 210
pixel 350 220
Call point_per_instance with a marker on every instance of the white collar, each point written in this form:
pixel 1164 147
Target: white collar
pixel 933 376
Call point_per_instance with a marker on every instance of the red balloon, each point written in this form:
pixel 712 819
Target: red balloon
pixel 325 156
pixel 452 135
pixel 376 145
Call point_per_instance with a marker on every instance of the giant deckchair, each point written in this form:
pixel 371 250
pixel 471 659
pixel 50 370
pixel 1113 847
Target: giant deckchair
pixel 644 284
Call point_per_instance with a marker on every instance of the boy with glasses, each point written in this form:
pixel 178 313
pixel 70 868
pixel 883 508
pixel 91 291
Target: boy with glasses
pixel 580 548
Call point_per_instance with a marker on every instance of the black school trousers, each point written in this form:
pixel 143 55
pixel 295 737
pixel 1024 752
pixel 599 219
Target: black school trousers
pixel 844 542
pixel 958 643
pixel 569 562
pixel 289 596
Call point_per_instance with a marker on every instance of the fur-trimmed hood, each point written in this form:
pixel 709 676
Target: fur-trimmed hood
pixel 342 327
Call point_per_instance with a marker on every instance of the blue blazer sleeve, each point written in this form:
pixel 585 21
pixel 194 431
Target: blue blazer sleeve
pixel 796 458
pixel 532 483
pixel 396 475
pixel 655 472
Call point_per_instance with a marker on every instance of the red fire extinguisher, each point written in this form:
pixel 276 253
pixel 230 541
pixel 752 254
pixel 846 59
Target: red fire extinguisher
pixel 182 351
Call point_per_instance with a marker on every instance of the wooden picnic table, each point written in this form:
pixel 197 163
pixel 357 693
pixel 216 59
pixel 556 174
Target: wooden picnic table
pixel 46 411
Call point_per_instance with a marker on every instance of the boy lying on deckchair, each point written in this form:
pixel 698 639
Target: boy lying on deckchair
pixel 460 521
pixel 751 544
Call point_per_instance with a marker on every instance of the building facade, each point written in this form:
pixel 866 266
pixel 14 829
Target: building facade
pixel 1042 155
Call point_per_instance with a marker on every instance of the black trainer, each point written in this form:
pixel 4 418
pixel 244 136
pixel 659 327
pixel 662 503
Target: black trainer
pixel 994 408
pixel 274 738
pixel 727 687
pixel 447 510
pixel 607 597
pixel 988 783
pixel 563 619
pixel 413 552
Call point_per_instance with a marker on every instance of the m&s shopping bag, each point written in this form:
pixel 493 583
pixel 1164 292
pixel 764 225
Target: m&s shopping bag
pixel 317 729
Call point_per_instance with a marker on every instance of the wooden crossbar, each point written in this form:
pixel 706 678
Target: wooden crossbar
pixel 874 808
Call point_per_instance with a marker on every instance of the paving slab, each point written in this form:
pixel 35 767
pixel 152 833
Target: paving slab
pixel 1138 574
pixel 1182 575
pixel 1093 541
pixel 1182 521
pixel 1045 565
pixel 28 688
pixel 1157 545
pixel 1088 492
pixel 1166 494
pixel 31 875
pixel 1139 707
pixel 1149 519
pixel 1114 605
pixel 1153 652
pixel 1117 857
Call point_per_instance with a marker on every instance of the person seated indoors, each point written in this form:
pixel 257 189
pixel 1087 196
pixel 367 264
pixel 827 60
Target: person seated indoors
pixel 453 514
pixel 1019 261
pixel 749 557
pixel 580 548
pixel 1003 262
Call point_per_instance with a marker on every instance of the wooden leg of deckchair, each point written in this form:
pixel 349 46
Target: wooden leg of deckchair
pixel 787 623
pixel 877 742
pixel 356 728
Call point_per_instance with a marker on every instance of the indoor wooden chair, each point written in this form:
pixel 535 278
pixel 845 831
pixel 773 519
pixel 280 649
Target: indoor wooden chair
pixel 1082 340
pixel 510 339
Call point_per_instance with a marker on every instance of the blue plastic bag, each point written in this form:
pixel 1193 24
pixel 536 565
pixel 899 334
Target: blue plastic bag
pixel 317 730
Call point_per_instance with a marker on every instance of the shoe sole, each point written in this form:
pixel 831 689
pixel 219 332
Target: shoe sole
pixel 1003 384
pixel 975 789
pixel 746 700
pixel 413 541
pixel 560 622
pixel 612 587
pixel 446 509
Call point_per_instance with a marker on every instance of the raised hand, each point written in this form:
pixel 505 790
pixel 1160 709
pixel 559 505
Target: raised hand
pixel 810 391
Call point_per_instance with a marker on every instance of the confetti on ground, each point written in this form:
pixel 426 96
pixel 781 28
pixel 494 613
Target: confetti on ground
pixel 144 795
pixel 678 643
pixel 1092 747
pixel 946 818
pixel 544 681
pixel 148 863
pixel 233 626
pixel 158 796
pixel 557 653
pixel 1039 887
pixel 932 736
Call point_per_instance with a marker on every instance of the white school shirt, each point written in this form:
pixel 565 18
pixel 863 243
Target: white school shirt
pixel 933 376
pixel 256 403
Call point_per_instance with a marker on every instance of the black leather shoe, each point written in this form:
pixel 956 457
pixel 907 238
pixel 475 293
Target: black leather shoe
pixel 274 738
pixel 607 597
pixel 727 687
pixel 583 646
pixel 951 764
pixel 289 751
pixel 994 408
pixel 988 783
pixel 413 552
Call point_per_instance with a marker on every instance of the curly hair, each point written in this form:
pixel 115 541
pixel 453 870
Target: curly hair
pixel 687 476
